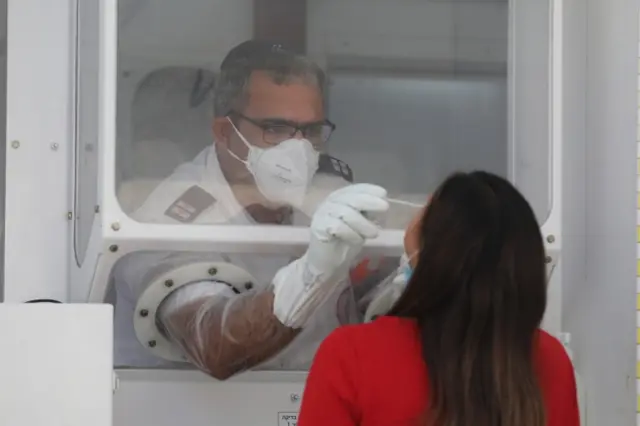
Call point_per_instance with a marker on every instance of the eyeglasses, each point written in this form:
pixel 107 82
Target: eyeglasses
pixel 275 130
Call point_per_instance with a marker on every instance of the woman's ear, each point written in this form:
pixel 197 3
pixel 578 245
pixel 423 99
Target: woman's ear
pixel 412 237
pixel 412 234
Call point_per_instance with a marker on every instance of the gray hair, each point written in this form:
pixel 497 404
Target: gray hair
pixel 282 66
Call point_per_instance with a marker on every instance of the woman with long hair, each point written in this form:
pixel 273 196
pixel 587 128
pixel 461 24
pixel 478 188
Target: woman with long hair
pixel 462 345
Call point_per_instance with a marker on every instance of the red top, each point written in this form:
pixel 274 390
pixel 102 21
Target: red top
pixel 373 374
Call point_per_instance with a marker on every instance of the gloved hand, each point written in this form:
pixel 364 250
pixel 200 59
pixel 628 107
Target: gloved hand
pixel 339 229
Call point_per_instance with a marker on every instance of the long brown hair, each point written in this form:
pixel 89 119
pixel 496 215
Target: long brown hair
pixel 478 295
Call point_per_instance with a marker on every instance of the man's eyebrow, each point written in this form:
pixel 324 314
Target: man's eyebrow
pixel 276 120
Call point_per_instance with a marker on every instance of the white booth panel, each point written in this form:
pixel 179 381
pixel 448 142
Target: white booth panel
pixel 404 119
pixel 56 364
pixel 193 399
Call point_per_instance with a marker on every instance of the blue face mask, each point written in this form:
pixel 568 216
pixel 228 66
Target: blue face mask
pixel 407 270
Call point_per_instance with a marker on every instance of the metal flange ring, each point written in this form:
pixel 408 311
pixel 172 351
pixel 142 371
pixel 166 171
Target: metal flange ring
pixel 144 320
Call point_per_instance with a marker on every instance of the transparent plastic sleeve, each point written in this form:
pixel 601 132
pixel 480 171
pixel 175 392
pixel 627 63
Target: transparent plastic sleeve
pixel 224 333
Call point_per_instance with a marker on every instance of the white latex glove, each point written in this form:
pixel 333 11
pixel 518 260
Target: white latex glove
pixel 339 229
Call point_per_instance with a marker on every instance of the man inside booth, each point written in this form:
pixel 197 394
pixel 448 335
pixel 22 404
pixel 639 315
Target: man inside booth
pixel 266 166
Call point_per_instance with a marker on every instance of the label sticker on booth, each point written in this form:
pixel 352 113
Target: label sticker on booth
pixel 287 419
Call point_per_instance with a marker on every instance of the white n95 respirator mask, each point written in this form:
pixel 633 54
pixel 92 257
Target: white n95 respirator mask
pixel 283 172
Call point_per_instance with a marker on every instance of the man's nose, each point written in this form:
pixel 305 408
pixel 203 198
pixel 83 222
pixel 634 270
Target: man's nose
pixel 298 134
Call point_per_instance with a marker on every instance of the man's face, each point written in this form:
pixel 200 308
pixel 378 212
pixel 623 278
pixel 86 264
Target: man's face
pixel 295 102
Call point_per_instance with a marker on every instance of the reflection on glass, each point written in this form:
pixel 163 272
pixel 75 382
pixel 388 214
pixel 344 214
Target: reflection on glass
pixel 252 133
pixel 417 129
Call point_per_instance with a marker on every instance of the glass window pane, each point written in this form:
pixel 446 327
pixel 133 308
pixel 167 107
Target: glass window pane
pixel 87 95
pixel 416 91
pixel 432 125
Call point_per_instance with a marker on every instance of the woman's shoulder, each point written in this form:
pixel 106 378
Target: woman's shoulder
pixel 389 336
pixel 552 356
pixel 381 325
pixel 385 331
pixel 549 345
pixel 390 330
